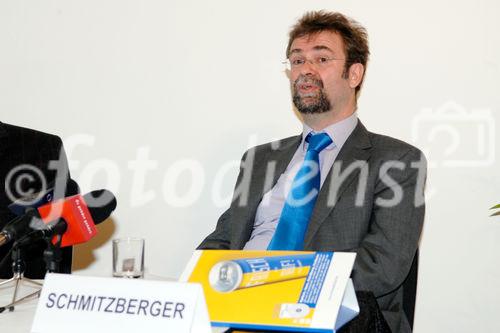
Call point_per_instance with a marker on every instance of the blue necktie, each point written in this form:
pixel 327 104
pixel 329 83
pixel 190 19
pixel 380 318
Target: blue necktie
pixel 296 213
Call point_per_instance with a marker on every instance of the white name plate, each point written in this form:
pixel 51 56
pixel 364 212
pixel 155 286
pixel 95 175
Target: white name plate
pixel 71 303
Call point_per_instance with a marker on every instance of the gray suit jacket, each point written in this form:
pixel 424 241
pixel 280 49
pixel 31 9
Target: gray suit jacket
pixel 349 214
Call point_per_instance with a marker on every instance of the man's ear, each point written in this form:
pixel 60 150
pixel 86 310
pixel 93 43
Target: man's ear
pixel 356 72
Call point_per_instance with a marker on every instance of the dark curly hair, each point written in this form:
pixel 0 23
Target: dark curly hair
pixel 354 36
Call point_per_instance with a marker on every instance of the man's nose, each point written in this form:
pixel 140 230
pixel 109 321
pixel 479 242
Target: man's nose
pixel 308 68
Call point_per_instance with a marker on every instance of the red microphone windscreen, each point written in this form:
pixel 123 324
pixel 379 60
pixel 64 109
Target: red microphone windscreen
pixel 80 225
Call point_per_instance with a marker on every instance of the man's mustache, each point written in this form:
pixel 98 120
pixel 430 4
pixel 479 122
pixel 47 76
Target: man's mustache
pixel 309 80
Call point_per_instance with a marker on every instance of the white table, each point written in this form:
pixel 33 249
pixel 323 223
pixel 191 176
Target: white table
pixel 20 320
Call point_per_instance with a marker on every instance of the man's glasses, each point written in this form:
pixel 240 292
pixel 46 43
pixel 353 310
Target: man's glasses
pixel 296 62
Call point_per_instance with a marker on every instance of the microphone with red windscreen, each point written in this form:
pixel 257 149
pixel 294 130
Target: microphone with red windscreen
pixel 73 218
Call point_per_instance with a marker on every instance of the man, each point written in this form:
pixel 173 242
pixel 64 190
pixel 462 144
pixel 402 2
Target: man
pixel 25 167
pixel 353 191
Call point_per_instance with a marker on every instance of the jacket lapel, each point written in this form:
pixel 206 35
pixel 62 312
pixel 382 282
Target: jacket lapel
pixel 355 150
pixel 268 169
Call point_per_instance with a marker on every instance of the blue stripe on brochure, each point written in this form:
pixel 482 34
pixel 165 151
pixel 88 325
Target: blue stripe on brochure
pixel 273 328
pixel 315 279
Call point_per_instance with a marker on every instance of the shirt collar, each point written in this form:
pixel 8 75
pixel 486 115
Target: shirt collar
pixel 338 132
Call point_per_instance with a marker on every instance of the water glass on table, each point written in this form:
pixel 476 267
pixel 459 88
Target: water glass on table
pixel 128 257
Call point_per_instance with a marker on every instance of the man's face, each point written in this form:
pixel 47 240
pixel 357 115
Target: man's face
pixel 318 84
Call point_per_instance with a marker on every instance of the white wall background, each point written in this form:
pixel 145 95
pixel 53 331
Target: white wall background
pixel 202 80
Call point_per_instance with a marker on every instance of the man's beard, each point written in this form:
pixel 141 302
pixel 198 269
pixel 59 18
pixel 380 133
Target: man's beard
pixel 319 103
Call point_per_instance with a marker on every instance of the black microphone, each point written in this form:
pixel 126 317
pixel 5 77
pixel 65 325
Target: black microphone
pixel 74 218
pixel 53 192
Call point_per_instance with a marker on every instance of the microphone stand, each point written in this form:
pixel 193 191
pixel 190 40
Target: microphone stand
pixel 18 278
pixel 52 255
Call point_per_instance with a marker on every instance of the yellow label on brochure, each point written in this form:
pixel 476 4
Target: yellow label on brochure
pixel 259 278
pixel 269 301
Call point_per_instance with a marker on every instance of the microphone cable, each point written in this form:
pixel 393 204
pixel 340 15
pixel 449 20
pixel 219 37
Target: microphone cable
pixel 9 253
